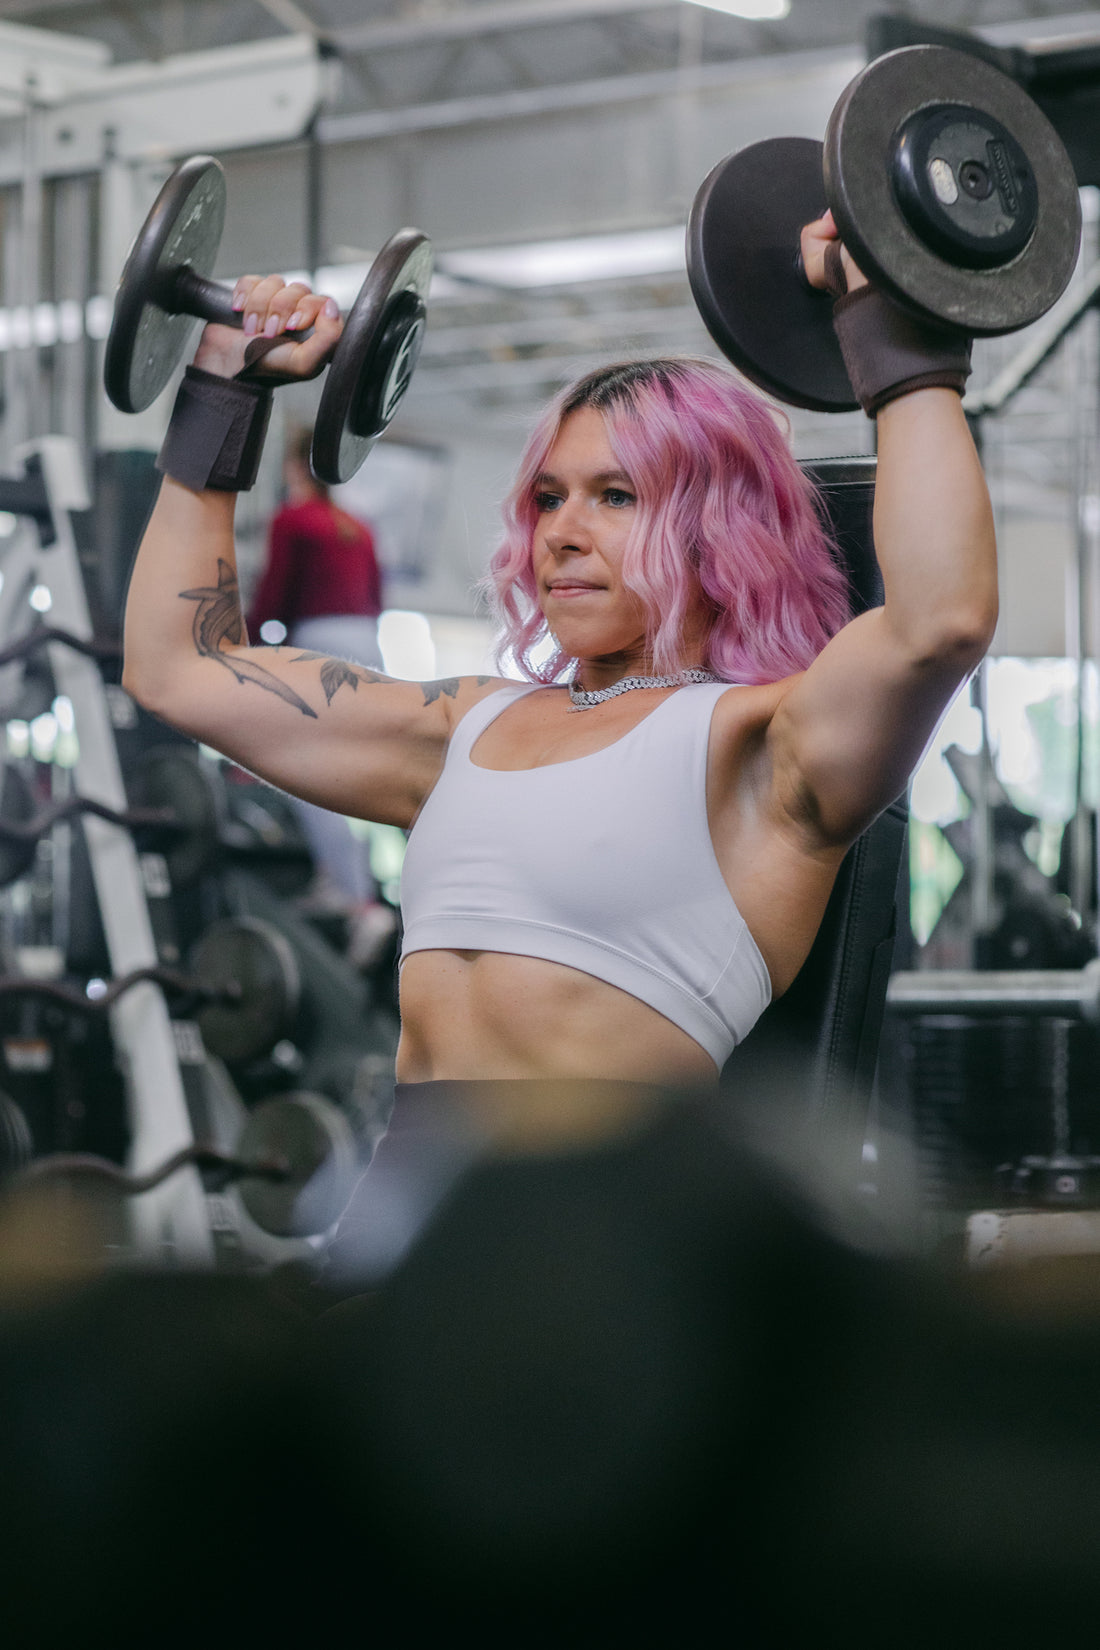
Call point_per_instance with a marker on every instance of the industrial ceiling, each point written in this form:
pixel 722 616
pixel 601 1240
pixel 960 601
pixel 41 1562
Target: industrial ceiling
pixel 512 129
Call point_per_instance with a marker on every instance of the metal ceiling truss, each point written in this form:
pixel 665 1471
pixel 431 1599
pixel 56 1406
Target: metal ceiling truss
pixel 539 35
pixel 628 100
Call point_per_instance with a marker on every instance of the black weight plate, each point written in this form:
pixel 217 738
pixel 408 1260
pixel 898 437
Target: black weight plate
pixel 35 689
pixel 172 777
pixel 314 1139
pixel 742 252
pixel 184 227
pixel 858 165
pixel 375 358
pixel 256 958
pixel 16 1142
pixel 17 807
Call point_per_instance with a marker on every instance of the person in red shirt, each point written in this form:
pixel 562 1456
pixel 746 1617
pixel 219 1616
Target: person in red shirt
pixel 321 584
pixel 321 579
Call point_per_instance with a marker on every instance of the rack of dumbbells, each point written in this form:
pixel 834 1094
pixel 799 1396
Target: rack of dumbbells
pixel 171 1030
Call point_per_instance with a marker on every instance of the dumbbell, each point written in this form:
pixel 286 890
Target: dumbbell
pixel 243 978
pixel 165 286
pixel 296 1164
pixel 950 188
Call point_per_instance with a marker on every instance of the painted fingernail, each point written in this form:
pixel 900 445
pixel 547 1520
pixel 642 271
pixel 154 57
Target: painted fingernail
pixel 332 309
pixel 238 301
pixel 273 327
pixel 295 321
pixel 251 326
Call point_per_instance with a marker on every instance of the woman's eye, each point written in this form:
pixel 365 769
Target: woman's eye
pixel 546 501
pixel 618 497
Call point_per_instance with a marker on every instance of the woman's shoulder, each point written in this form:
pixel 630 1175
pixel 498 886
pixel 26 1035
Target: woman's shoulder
pixel 743 709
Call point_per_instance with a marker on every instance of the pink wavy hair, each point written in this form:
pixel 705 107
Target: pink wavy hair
pixel 722 505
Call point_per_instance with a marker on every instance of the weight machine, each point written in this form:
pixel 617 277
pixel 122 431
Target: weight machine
pixel 1049 1196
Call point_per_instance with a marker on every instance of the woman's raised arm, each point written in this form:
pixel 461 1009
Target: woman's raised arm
pixel 337 734
pixel 849 733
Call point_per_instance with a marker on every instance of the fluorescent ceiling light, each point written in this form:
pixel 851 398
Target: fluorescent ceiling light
pixel 530 264
pixel 763 10
pixel 563 263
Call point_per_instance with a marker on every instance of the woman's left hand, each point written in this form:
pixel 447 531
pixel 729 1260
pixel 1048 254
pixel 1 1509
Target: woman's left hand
pixel 816 237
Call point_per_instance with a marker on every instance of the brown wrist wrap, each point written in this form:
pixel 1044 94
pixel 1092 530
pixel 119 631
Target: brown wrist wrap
pixel 889 352
pixel 216 433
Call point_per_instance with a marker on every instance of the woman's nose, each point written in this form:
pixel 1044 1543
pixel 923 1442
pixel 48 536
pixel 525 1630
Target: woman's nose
pixel 566 529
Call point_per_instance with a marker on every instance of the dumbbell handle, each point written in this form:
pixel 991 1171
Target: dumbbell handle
pixel 199 1156
pixel 169 979
pixel 180 291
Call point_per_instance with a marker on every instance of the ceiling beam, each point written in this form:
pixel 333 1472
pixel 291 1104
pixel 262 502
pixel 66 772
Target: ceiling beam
pixel 293 17
pixel 581 94
pixel 493 17
pixel 427 23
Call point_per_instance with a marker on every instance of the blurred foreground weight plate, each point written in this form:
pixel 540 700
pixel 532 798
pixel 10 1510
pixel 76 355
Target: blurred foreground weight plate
pixel 375 357
pixel 175 778
pixel 256 964
pixel 165 285
pixel 313 1140
pixel 950 188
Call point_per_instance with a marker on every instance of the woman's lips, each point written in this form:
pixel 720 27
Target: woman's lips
pixel 574 588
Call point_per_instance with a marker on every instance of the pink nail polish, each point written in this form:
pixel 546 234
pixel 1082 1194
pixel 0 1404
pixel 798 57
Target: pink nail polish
pixel 332 309
pixel 295 321
pixel 272 327
pixel 251 326
pixel 238 301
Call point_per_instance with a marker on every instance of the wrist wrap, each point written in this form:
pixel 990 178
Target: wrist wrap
pixel 216 433
pixel 889 352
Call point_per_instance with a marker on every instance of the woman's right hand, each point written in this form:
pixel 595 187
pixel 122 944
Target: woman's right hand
pixel 271 307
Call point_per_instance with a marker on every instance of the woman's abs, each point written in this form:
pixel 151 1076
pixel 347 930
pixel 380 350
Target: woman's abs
pixel 486 1014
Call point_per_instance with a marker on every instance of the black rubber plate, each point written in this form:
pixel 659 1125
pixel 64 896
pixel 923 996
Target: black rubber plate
pixel 375 357
pixel 170 777
pixel 17 855
pixel 742 251
pixel 857 164
pixel 314 1139
pixel 257 957
pixel 184 226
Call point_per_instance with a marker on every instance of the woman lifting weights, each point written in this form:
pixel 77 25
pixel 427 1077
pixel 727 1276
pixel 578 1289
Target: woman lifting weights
pixel 710 705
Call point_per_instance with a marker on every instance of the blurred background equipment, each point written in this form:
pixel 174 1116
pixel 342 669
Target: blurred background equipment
pixel 145 1004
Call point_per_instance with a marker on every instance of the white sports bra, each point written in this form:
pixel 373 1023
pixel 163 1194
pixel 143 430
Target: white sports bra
pixel 603 863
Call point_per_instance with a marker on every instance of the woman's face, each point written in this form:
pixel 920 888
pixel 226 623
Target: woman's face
pixel 587 507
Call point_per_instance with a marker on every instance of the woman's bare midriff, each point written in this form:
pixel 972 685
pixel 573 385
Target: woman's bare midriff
pixel 468 1015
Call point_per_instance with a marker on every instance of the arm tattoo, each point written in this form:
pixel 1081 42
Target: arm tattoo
pixel 432 690
pixel 218 623
pixel 449 685
pixel 336 672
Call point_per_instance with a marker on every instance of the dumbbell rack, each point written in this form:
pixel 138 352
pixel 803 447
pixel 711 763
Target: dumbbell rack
pixel 170 1224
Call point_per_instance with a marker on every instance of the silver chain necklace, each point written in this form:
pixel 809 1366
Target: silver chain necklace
pixel 584 699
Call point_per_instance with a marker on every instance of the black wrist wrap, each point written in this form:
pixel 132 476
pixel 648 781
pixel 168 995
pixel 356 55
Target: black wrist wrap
pixel 889 352
pixel 216 433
